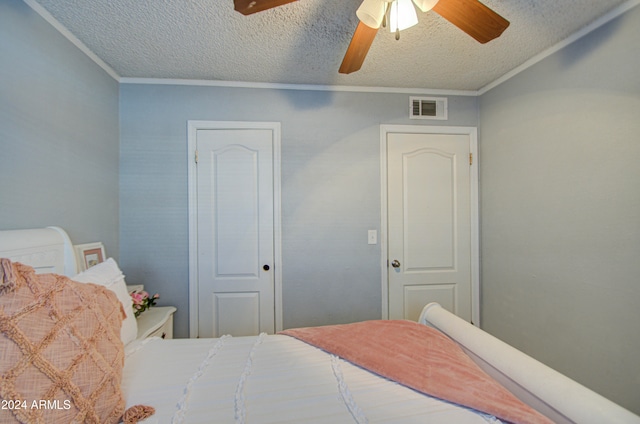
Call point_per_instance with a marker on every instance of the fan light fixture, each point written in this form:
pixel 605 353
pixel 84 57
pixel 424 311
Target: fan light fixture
pixel 402 16
pixel 402 13
pixel 425 5
pixel 371 12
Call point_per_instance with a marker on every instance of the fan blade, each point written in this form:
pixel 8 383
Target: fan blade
pixel 247 7
pixel 472 17
pixel 358 48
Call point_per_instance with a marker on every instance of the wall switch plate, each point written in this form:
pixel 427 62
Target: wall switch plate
pixel 373 237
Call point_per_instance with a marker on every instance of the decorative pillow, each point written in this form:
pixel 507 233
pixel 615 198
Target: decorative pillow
pixel 61 352
pixel 108 274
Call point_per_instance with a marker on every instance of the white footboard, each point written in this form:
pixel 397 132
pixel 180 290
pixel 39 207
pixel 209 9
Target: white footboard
pixel 551 393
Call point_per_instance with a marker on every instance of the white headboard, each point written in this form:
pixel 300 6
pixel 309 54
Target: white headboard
pixel 45 249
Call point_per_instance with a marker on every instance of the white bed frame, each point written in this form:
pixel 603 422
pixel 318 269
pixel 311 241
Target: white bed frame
pixel 553 394
pixel 45 249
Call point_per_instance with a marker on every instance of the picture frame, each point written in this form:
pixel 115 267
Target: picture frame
pixel 89 254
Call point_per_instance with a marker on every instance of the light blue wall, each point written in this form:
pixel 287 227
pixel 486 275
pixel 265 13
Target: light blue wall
pixel 559 180
pixel 330 190
pixel 560 214
pixel 58 133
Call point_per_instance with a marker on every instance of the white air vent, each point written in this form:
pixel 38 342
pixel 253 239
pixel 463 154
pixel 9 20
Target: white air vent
pixel 428 108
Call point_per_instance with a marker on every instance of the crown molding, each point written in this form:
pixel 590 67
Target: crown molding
pixel 305 87
pixel 69 36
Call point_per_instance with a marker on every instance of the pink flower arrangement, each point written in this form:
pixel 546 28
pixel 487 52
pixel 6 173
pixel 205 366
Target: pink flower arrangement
pixel 142 301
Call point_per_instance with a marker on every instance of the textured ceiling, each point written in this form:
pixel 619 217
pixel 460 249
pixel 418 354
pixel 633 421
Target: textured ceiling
pixel 304 42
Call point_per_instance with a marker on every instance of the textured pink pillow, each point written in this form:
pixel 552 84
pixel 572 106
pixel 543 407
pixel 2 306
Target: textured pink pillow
pixel 60 345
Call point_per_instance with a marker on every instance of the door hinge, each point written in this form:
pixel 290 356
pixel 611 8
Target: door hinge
pixel 196 156
pixel 470 159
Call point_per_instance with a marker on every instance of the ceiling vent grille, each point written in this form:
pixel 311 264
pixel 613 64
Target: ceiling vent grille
pixel 428 108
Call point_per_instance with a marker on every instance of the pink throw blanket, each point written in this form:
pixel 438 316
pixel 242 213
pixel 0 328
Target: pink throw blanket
pixel 420 358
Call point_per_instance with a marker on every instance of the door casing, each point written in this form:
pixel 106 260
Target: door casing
pixel 472 132
pixel 192 130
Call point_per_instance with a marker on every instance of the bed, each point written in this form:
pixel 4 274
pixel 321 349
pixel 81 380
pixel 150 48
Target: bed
pixel 287 378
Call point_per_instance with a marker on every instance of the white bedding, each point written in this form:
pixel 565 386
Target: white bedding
pixel 269 379
pixel 157 372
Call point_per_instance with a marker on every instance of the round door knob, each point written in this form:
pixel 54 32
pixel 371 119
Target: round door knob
pixel 395 263
pixel 266 267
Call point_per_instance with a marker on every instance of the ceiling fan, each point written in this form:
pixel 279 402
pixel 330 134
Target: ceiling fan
pixel 470 16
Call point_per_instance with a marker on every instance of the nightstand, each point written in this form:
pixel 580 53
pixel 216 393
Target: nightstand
pixel 156 322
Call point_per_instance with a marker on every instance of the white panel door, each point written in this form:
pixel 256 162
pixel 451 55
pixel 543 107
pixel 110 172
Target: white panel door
pixel 429 223
pixel 235 226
